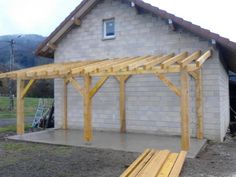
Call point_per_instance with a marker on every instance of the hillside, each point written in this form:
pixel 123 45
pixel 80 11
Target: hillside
pixel 24 51
pixel 24 57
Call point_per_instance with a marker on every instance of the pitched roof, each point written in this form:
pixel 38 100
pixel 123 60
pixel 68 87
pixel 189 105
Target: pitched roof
pixel 46 48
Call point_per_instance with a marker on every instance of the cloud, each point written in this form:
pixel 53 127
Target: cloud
pixel 33 16
pixel 43 16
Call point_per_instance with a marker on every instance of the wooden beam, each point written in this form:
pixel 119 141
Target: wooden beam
pixel 88 133
pixel 142 62
pixel 20 107
pixel 26 89
pixel 175 172
pixel 169 84
pixel 190 58
pixel 122 80
pixel 124 64
pixel 203 58
pixel 151 64
pixel 154 70
pixel 199 104
pixel 174 59
pixel 76 21
pixel 184 101
pixel 78 70
pixel 193 74
pixel 52 46
pixel 76 85
pixel 65 104
pixel 97 86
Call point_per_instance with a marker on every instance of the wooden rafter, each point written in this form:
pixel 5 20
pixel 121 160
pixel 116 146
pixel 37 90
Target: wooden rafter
pixel 124 64
pixel 139 63
pixel 151 64
pixel 174 59
pixel 203 58
pixel 190 58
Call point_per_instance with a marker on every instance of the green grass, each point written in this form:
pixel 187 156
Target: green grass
pixel 30 107
pixel 12 128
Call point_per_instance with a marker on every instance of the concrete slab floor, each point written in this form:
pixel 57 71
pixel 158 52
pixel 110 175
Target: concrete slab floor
pixel 132 142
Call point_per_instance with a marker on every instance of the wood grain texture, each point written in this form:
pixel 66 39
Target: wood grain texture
pixel 20 119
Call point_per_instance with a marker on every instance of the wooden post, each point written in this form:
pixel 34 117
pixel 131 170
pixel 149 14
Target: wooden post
pixel 20 119
pixel 199 104
pixel 122 80
pixel 122 106
pixel 65 107
pixel 185 138
pixel 88 134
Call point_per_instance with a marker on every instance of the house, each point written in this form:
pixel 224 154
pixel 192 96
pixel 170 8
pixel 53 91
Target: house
pixel 131 32
pixel 141 29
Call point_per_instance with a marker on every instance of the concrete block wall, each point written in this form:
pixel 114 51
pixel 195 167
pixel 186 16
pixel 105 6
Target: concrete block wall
pixel 150 106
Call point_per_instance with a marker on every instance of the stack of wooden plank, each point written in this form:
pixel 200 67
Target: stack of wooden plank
pixel 155 163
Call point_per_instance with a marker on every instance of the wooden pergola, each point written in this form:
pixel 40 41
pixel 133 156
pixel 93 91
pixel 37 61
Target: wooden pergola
pixel 121 69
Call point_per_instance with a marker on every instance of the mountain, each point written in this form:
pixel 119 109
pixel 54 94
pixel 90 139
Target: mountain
pixel 24 47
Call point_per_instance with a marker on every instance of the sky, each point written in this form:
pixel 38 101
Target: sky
pixel 43 16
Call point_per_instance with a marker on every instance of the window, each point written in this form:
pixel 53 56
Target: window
pixel 109 29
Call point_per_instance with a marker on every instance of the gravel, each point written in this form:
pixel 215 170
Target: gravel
pixel 21 159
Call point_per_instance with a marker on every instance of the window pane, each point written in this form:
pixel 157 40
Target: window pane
pixel 110 28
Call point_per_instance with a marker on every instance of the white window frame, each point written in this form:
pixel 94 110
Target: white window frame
pixel 105 31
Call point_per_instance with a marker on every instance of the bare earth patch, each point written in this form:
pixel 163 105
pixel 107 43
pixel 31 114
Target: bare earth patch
pixel 19 159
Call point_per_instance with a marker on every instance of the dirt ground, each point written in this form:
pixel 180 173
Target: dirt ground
pixel 19 159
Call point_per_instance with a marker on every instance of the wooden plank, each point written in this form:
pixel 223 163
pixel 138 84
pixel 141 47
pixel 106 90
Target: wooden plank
pixel 97 86
pixel 167 167
pixel 190 58
pixel 169 84
pixel 172 60
pixel 76 85
pixel 151 64
pixel 184 102
pixel 203 58
pixel 65 104
pixel 134 165
pixel 143 163
pixel 26 89
pixel 175 172
pixel 155 164
pixel 88 133
pixel 199 104
pixel 20 119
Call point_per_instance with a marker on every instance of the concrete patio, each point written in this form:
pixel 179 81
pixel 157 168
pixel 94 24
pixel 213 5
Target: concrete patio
pixel 132 142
